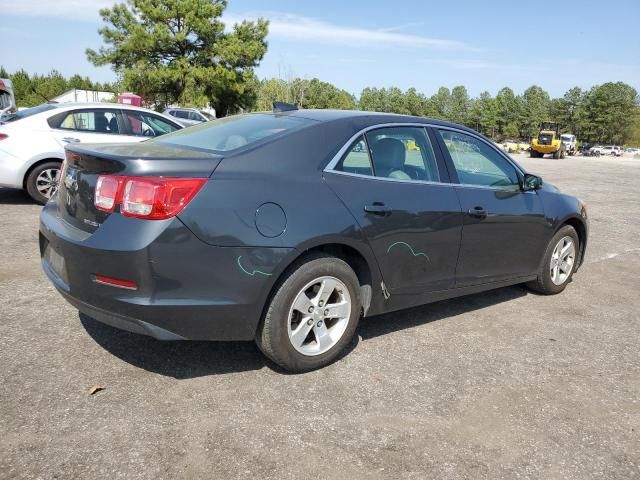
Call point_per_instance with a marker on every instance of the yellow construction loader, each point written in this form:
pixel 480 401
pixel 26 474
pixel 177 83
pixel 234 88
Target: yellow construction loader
pixel 548 141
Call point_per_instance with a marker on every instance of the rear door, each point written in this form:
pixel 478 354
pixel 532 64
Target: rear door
pixel 86 125
pixel 505 230
pixel 392 183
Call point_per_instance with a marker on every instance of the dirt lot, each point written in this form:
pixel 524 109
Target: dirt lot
pixel 505 384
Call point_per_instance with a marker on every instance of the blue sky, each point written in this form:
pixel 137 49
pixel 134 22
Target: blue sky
pixel 358 43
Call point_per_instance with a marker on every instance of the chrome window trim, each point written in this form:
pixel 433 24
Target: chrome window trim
pixel 387 179
pixel 338 156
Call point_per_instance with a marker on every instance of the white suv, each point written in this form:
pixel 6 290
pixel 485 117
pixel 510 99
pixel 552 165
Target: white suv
pixel 611 150
pixel 188 116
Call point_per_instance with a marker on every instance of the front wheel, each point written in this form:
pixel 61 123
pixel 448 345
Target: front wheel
pixel 42 182
pixel 558 263
pixel 313 314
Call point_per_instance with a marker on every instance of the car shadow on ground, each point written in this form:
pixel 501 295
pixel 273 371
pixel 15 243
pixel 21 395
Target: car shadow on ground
pixel 183 360
pixel 11 196
pixel 391 322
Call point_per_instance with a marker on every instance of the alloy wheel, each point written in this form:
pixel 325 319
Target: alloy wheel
pixel 562 260
pixel 319 316
pixel 47 182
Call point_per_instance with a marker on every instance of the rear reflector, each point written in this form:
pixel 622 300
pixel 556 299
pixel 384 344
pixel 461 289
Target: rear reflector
pixel 3 136
pixel 115 282
pixel 153 198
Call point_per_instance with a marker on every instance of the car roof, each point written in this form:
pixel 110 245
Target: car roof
pixel 101 105
pixel 375 117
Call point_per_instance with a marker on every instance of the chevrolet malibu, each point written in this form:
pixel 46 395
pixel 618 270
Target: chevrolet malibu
pixel 288 227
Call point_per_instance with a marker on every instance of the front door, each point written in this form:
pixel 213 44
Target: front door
pixel 505 231
pixel 391 182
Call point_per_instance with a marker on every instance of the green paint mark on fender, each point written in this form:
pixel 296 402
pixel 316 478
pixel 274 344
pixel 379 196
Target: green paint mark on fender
pixel 253 273
pixel 418 254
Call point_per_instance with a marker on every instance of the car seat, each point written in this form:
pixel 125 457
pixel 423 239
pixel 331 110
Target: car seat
pixel 389 155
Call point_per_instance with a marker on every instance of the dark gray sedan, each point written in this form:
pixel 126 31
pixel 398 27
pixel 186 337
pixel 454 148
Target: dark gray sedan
pixel 288 227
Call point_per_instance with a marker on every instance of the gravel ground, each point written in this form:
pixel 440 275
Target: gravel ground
pixel 505 384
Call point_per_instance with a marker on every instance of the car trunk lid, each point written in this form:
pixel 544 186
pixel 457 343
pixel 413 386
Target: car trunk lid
pixel 84 164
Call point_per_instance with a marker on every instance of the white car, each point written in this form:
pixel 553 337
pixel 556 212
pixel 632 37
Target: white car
pixel 611 150
pixel 32 141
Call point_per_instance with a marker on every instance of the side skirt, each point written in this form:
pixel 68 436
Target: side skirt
pixel 401 301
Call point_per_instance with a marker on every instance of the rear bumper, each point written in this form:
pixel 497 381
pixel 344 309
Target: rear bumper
pixel 12 170
pixel 187 290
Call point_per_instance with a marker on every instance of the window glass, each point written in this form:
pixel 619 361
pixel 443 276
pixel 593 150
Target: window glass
pixel 357 159
pixel 234 132
pixel 147 125
pixel 97 121
pixel 477 163
pixel 196 116
pixel 27 112
pixel 181 114
pixel 403 153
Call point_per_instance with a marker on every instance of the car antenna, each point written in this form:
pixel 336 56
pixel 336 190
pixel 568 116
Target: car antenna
pixel 279 107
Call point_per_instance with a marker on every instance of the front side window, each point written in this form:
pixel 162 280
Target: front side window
pixel 402 153
pixel 146 125
pixel 477 163
pixel 234 132
pixel 95 121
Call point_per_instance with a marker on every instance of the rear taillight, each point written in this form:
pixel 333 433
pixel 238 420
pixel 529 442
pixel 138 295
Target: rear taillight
pixel 153 198
pixel 107 190
pixel 3 136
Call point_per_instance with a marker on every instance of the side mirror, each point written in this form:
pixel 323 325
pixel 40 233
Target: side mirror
pixel 531 182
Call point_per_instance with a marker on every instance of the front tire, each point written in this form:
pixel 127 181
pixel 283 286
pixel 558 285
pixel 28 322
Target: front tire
pixel 42 182
pixel 558 263
pixel 313 314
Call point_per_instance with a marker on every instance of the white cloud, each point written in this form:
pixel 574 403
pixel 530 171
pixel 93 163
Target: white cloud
pixel 296 27
pixel 70 9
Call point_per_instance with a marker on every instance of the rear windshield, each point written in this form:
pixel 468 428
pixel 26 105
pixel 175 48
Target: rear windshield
pixel 27 112
pixel 233 132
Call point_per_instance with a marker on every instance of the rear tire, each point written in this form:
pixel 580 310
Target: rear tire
pixel 313 314
pixel 42 181
pixel 556 154
pixel 557 265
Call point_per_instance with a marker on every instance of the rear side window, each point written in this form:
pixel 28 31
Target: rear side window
pixel 357 159
pixel 234 132
pixel 403 153
pixel 95 121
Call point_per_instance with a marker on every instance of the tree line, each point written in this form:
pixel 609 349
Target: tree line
pixel 607 113
pixel 31 90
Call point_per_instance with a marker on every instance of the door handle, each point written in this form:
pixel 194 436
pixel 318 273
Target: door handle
pixel 71 140
pixel 477 212
pixel 378 208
